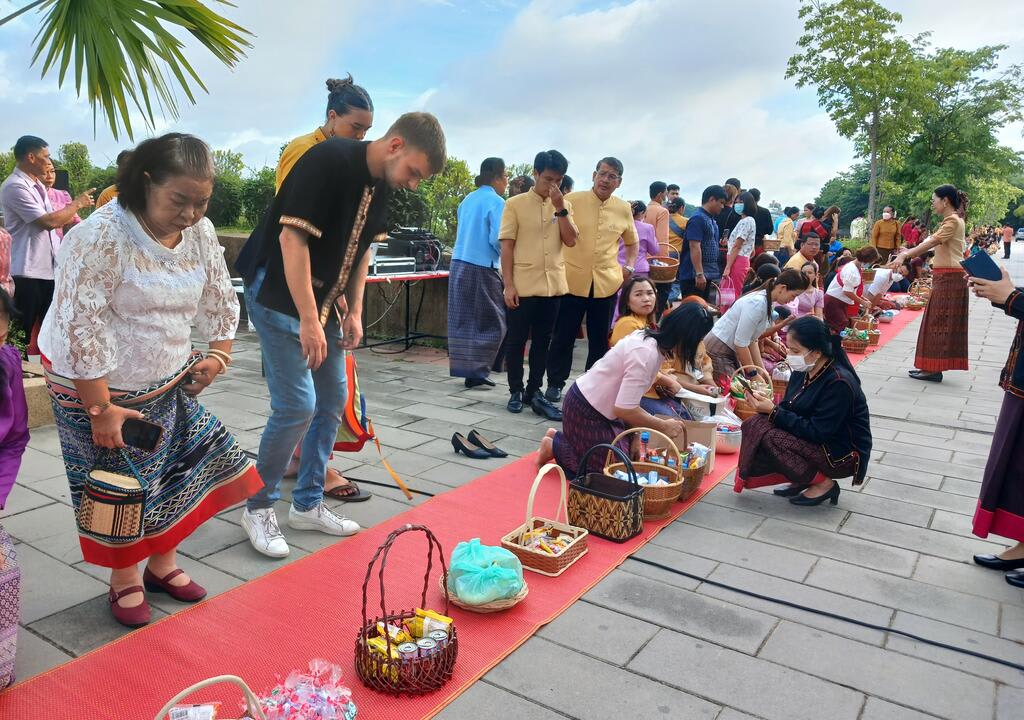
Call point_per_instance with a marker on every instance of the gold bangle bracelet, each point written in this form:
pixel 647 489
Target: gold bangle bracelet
pixel 226 357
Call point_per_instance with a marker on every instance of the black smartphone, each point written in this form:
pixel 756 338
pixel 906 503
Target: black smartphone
pixel 141 434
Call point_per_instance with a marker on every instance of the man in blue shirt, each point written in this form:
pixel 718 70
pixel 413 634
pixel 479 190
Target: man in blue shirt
pixel 698 263
pixel 476 294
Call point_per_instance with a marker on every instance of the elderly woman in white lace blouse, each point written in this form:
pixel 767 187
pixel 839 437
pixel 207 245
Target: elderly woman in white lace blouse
pixel 130 283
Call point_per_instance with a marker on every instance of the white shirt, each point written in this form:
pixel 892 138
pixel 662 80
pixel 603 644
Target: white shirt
pixel 744 322
pixel 124 305
pixel 745 231
pixel 847 279
pixel 882 282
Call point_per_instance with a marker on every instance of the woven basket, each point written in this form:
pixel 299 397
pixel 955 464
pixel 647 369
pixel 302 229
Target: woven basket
pixel 863 322
pixel 491 607
pixel 921 289
pixel 874 337
pixel 916 303
pixel 537 560
pixel 855 345
pixel 664 274
pixel 252 704
pixel 743 408
pixel 394 675
pixel 658 500
pixel 772 244
pixel 779 387
pixel 867 275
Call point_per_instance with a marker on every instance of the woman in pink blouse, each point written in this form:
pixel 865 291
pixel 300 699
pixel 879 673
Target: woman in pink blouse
pixel 812 300
pixel 59 199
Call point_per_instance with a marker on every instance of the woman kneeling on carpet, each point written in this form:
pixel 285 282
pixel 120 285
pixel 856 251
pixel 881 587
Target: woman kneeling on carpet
pixel 819 432
pixel 606 399
pixel 130 282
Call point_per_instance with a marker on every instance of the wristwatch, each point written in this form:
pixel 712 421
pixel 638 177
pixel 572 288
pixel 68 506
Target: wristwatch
pixel 98 409
pixel 564 212
pixel 630 269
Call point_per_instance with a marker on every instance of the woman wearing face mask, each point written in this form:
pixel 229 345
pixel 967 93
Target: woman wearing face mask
pixel 741 240
pixel 844 296
pixel 820 431
pixel 733 341
pixel 885 235
pixel 885 280
pixel 942 340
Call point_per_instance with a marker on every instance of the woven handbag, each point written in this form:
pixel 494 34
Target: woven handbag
pixel 113 505
pixel 609 508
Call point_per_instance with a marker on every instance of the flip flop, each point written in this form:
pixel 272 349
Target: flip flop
pixel 359 495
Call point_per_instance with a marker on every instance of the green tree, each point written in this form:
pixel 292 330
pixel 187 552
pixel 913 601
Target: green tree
pixel 958 140
pixel 849 191
pixel 74 157
pixel 517 169
pixel 226 201
pixel 6 163
pixel 228 162
pixel 443 193
pixel 257 194
pixel 867 75
pixel 407 209
pixel 126 52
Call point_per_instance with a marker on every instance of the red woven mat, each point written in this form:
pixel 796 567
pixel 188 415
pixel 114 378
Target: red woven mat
pixel 311 609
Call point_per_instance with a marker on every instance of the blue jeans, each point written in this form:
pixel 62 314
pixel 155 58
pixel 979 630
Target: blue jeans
pixel 304 404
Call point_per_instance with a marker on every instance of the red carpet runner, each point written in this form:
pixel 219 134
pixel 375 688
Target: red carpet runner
pixel 311 609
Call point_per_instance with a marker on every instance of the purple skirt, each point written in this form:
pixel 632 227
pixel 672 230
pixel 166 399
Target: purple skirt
pixel 1001 505
pixel 583 427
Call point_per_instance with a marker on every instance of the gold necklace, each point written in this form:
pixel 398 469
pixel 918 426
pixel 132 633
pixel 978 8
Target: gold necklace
pixel 152 234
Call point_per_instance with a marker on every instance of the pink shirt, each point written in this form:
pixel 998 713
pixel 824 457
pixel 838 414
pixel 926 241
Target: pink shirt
pixel 6 281
pixel 623 375
pixel 60 199
pixel 807 302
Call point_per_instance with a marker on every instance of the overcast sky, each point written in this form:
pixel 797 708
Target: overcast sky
pixel 680 91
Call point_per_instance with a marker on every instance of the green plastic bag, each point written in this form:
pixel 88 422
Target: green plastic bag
pixel 479 574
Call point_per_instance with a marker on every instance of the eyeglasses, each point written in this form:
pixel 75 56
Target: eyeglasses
pixel 605 175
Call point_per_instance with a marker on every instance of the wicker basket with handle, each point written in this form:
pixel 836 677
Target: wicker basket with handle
pixel 855 345
pixel 388 672
pixel 667 271
pixel 921 289
pixel 867 275
pixel 863 322
pixel 743 407
pixel 658 499
pixel 537 560
pixel 252 704
pixel 779 386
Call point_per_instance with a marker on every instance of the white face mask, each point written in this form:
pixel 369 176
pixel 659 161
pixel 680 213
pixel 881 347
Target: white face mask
pixel 886 216
pixel 798 363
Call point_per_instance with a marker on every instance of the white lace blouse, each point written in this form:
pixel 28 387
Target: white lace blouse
pixel 124 305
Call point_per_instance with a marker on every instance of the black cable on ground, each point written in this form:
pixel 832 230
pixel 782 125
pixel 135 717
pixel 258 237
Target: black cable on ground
pixel 779 601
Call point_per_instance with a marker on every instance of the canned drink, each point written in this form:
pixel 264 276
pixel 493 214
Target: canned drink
pixel 427 647
pixel 408 650
pixel 440 637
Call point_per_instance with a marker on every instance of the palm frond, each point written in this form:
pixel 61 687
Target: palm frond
pixel 126 54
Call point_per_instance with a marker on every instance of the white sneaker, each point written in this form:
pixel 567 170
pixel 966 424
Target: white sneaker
pixel 264 532
pixel 323 519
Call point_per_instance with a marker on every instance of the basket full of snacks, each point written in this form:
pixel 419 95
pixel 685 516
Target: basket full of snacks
pixel 544 545
pixel 657 469
pixel 409 652
pixel 854 341
pixel 740 385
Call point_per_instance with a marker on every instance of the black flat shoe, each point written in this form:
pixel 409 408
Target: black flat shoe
pixel 515 403
pixel 832 496
pixel 464 446
pixel 994 562
pixel 1016 578
pixel 477 382
pixel 922 375
pixel 553 394
pixel 479 440
pixel 543 407
pixel 790 491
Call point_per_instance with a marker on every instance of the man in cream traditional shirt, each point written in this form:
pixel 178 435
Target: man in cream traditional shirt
pixel 592 272
pixel 534 227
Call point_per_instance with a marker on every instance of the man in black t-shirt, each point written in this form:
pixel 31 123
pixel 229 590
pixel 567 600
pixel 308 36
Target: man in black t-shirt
pixel 763 222
pixel 303 266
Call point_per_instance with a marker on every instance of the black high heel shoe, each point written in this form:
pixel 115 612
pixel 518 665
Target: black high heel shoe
pixel 493 450
pixel 832 496
pixel 790 491
pixel 461 445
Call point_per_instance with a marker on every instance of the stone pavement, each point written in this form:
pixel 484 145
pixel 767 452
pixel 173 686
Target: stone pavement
pixel 645 643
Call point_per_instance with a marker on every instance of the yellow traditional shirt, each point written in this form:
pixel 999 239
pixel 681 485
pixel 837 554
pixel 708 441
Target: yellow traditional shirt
pixel 594 260
pixel 950 235
pixel 108 194
pixel 676 241
pixel 786 234
pixel 294 150
pixel 538 262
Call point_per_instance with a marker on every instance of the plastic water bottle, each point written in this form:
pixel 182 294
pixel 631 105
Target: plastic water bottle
pixel 645 438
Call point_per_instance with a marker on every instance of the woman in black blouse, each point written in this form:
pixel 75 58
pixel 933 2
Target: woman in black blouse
pixel 1001 505
pixel 819 432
